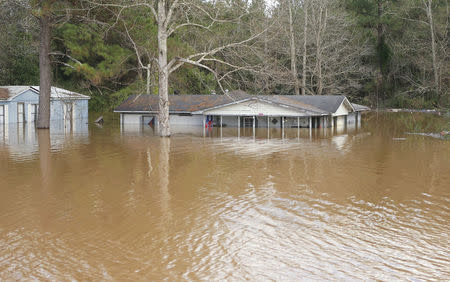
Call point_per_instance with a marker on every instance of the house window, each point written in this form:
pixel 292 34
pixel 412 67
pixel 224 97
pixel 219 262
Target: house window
pixel 20 112
pixel 2 114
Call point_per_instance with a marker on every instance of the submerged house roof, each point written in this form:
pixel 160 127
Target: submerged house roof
pixel 329 103
pixel 177 103
pixel 315 105
pixel 360 108
pixel 9 92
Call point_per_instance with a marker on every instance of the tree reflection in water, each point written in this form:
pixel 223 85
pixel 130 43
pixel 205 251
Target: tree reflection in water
pixel 164 173
pixel 44 155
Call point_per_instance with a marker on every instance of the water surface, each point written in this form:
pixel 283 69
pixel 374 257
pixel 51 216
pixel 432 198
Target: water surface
pixel 111 203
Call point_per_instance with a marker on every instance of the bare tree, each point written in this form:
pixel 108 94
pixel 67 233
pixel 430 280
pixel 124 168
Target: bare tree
pixel 423 46
pixel 427 4
pixel 319 18
pixel 175 17
pixel 305 36
pixel 332 50
pixel 293 53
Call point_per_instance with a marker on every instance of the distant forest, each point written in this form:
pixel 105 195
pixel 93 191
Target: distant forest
pixel 381 53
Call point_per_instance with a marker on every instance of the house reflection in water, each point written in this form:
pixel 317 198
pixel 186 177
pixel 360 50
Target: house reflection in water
pixel 21 139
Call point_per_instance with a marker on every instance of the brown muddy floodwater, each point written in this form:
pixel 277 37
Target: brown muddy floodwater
pixel 105 203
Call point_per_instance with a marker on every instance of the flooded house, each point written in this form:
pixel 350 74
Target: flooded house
pixel 19 104
pixel 19 109
pixel 238 109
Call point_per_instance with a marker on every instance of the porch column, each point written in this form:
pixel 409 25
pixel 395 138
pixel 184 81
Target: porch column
pixel 254 127
pixel 239 126
pixel 282 127
pixel 204 126
pixel 298 127
pixel 221 127
pixel 310 127
pixel 268 127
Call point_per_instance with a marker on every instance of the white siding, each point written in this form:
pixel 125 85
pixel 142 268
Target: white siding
pixel 342 110
pixel 253 108
pixel 340 121
pixel 132 119
pixel 351 118
pixel 186 120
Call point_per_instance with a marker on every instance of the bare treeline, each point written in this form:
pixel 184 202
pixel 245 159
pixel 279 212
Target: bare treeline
pixel 380 52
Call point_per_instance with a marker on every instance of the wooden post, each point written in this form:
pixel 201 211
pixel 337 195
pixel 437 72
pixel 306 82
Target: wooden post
pixel 268 127
pixel 298 127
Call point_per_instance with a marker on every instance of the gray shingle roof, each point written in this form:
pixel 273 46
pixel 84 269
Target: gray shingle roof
pixel 328 103
pixel 194 103
pixel 360 108
pixel 177 103
pixel 316 105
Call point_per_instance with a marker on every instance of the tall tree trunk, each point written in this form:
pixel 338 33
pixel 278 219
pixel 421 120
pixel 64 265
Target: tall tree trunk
pixel 433 47
pixel 321 26
pixel 305 33
pixel 380 42
pixel 163 80
pixel 148 79
pixel 44 73
pixel 293 53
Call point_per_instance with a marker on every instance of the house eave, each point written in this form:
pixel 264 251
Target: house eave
pixel 306 111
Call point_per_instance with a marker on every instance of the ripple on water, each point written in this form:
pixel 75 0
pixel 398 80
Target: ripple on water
pixel 118 206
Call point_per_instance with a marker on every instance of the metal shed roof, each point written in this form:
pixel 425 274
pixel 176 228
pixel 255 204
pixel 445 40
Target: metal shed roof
pixel 9 92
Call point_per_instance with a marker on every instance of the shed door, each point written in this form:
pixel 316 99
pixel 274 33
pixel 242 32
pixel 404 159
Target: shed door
pixel 68 111
pixel 20 112
pixel 33 112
